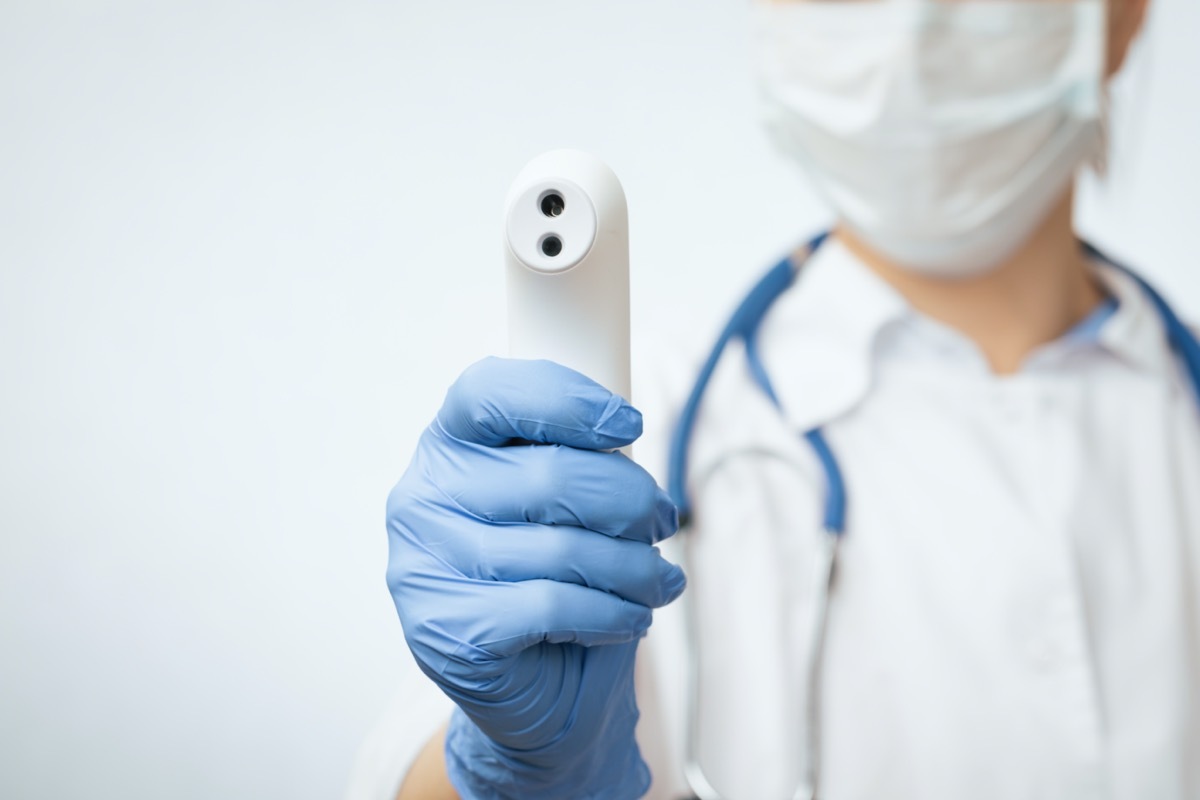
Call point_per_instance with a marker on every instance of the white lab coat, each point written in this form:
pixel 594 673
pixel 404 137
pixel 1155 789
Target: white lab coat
pixel 1017 608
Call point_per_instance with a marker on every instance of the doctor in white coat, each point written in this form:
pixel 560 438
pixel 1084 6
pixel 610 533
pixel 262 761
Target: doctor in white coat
pixel 992 428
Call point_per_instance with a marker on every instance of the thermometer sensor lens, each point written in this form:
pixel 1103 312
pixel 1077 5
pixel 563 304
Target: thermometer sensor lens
pixel 553 204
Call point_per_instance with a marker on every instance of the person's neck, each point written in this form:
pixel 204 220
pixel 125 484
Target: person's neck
pixel 1032 298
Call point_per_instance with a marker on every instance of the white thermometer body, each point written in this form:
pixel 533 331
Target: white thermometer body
pixel 567 259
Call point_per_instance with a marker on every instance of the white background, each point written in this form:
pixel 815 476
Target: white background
pixel 245 246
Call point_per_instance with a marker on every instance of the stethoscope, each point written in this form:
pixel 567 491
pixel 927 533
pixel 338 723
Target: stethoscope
pixel 744 324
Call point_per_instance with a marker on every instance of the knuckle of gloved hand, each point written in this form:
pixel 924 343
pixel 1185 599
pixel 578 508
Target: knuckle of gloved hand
pixel 545 474
pixel 398 501
pixel 665 515
pixel 396 575
pixel 651 572
pixel 407 513
pixel 417 634
pixel 643 510
pixel 421 471
pixel 473 380
pixel 570 548
pixel 424 488
pixel 467 396
pixel 544 606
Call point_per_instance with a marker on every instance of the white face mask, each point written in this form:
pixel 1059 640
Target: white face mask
pixel 941 132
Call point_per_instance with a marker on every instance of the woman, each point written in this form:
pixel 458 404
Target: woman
pixel 1015 609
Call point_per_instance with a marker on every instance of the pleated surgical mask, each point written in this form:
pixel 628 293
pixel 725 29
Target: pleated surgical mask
pixel 942 133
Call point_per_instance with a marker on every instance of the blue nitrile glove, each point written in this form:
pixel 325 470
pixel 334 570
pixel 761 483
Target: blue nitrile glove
pixel 524 575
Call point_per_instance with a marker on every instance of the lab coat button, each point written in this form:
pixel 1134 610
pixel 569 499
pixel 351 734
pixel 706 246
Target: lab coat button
pixel 1008 408
pixel 1044 654
pixel 1048 403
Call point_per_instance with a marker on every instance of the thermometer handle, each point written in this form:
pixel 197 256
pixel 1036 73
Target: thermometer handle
pixel 567 258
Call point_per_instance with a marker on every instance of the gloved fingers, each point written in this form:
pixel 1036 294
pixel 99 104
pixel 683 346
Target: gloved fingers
pixel 555 485
pixel 521 615
pixel 497 400
pixel 632 570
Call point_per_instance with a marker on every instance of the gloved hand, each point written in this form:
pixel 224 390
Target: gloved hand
pixel 524 575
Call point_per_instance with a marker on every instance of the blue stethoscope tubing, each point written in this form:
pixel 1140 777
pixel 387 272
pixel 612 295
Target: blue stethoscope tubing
pixel 744 325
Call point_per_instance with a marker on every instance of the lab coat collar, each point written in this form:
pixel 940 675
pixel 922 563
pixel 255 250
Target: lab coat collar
pixel 1135 334
pixel 820 342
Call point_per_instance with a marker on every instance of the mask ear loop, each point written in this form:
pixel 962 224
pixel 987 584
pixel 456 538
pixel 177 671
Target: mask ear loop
pixel 1134 78
pixel 1099 162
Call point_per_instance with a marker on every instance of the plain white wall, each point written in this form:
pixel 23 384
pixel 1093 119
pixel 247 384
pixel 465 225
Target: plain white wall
pixel 245 246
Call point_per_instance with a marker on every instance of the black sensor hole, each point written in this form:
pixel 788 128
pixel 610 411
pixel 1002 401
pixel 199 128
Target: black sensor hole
pixel 553 204
pixel 551 246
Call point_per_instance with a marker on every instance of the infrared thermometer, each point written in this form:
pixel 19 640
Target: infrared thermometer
pixel 567 259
